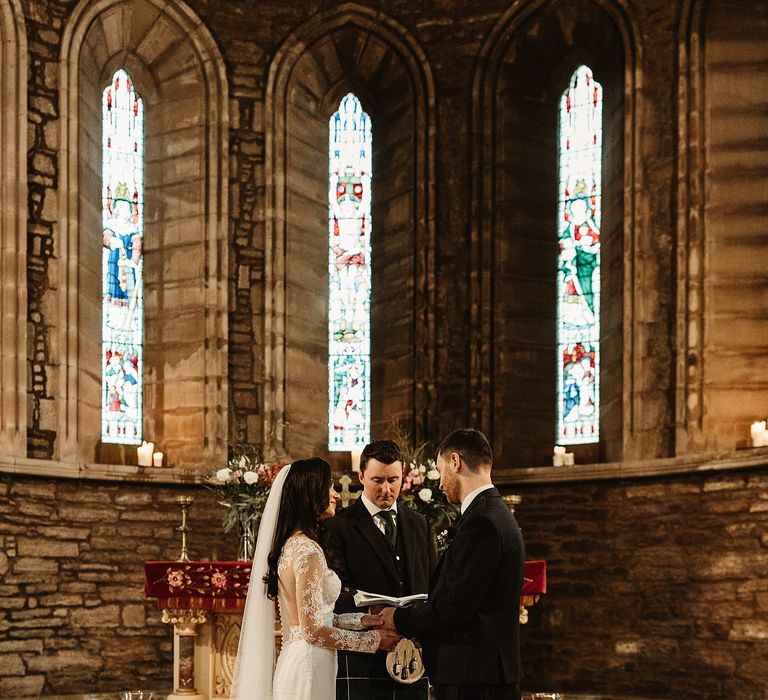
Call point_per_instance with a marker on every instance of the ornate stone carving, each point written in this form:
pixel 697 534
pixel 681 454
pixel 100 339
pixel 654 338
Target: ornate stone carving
pixel 185 621
pixel 226 634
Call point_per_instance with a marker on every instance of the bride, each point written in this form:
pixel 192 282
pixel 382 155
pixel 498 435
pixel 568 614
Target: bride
pixel 295 573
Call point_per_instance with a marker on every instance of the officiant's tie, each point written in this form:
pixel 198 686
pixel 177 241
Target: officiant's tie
pixel 390 530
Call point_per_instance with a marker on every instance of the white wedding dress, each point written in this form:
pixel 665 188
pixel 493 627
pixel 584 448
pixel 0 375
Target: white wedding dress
pixel 307 593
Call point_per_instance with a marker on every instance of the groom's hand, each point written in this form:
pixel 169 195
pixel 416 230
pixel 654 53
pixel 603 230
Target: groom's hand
pixel 388 619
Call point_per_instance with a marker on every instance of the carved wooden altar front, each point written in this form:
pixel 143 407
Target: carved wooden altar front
pixel 204 602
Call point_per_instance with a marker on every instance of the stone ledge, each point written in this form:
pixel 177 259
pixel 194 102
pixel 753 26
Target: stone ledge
pixel 755 458
pixel 710 463
pixel 100 472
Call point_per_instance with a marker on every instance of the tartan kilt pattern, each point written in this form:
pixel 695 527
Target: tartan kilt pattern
pixel 365 677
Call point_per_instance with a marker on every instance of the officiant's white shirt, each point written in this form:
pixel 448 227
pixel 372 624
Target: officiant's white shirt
pixel 372 508
pixel 471 497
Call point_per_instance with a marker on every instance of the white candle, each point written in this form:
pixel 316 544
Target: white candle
pixel 354 454
pixel 568 459
pixel 157 459
pixel 144 453
pixel 558 456
pixel 757 431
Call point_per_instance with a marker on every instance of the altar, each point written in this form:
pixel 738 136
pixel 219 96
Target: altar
pixel 204 602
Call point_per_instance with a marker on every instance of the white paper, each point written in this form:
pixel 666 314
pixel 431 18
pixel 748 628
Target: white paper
pixel 363 599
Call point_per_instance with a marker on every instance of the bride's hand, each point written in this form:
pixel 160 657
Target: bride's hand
pixel 389 639
pixel 372 621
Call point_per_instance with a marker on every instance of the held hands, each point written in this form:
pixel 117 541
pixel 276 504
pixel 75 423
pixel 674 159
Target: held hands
pixel 388 619
pixel 371 621
pixel 388 639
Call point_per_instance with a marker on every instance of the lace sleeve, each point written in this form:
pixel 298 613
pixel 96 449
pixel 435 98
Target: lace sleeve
pixel 308 568
pixel 349 621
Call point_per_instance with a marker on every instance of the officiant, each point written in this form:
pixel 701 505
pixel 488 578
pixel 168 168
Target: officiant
pixel 380 546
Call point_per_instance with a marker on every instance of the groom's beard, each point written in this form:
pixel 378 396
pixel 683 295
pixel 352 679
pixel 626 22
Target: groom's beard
pixel 452 490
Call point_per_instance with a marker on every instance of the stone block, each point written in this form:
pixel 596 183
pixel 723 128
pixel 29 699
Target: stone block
pixel 74 661
pixel 133 616
pixel 61 532
pixel 12 665
pixel 39 547
pixel 31 645
pixel 103 616
pixel 21 686
pixel 133 499
pixel 58 599
pixel 91 514
pixel 36 565
pixel 749 631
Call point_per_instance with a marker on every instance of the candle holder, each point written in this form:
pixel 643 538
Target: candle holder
pixel 512 500
pixel 184 502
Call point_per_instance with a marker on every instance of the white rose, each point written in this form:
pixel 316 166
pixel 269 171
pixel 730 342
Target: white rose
pixel 425 495
pixel 243 462
pixel 422 469
pixel 433 474
pixel 250 477
pixel 223 474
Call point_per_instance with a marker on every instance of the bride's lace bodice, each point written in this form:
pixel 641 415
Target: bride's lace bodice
pixel 307 593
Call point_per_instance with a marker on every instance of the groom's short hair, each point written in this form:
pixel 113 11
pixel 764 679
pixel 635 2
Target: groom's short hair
pixel 471 445
pixel 385 451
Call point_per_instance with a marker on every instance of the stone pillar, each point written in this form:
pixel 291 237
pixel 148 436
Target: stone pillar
pixel 185 624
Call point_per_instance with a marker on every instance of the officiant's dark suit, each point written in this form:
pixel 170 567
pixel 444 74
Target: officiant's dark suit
pixel 469 627
pixel 364 559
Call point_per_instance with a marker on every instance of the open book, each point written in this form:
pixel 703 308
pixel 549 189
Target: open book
pixel 364 599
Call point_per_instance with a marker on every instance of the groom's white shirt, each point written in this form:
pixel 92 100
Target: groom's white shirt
pixel 372 508
pixel 472 495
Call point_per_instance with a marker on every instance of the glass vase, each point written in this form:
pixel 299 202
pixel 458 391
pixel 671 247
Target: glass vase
pixel 247 540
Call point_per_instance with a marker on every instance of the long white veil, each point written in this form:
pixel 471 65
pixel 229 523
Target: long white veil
pixel 256 652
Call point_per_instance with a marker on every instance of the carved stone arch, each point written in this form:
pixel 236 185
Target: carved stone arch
pixel 13 231
pixel 180 74
pixel 522 69
pixel 351 48
pixel 722 350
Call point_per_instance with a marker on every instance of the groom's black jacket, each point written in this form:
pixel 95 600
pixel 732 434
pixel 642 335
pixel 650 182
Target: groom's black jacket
pixel 469 627
pixel 363 559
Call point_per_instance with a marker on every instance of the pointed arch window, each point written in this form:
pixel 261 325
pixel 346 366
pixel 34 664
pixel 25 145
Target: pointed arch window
pixel 578 269
pixel 349 275
pixel 122 261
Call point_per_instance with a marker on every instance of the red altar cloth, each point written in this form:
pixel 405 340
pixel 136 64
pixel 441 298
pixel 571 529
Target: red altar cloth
pixel 223 585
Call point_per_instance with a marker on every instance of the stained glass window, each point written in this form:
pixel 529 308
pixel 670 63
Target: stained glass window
pixel 578 268
pixel 122 335
pixel 349 273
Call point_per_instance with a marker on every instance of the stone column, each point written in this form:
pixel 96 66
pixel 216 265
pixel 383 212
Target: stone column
pixel 185 624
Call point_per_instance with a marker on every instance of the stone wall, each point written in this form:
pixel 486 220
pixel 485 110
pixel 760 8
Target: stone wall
pixel 655 588
pixel 73 617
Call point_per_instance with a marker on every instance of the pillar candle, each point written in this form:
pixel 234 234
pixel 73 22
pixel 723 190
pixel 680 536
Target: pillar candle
pixel 144 453
pixel 758 432
pixel 558 456
pixel 355 453
pixel 568 459
pixel 157 459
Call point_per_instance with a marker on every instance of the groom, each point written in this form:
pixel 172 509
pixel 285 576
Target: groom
pixel 380 546
pixel 469 627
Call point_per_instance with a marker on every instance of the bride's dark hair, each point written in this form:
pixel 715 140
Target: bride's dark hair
pixel 304 500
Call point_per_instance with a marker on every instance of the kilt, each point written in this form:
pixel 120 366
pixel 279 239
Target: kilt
pixel 365 677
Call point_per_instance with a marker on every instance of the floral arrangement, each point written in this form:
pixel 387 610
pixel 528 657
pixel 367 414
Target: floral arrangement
pixel 421 487
pixel 243 487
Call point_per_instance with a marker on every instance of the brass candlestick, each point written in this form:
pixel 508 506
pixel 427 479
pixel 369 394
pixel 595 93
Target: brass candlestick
pixel 184 502
pixel 512 500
